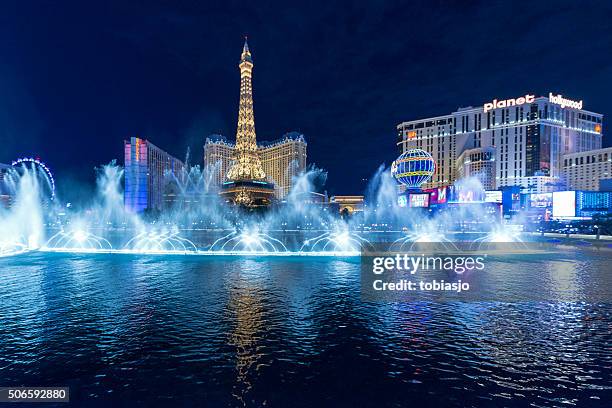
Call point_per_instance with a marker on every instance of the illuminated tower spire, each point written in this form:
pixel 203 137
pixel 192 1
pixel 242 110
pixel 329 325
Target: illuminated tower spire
pixel 247 164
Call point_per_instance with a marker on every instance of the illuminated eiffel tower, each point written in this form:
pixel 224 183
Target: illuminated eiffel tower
pixel 247 183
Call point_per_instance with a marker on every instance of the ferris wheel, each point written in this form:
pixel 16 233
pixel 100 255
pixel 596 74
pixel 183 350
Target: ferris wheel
pixel 44 171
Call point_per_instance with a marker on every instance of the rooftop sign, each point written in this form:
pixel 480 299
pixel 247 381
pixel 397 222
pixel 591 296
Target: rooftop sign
pixel 508 102
pixel 560 100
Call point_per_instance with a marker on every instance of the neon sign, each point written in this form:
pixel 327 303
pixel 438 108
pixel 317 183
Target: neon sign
pixel 441 195
pixel 560 100
pixel 508 102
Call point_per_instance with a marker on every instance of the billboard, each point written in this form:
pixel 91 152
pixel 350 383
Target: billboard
pixel 436 195
pixel 419 200
pixel 564 204
pixel 433 195
pixel 494 196
pixel 441 195
pixel 543 200
pixel 466 193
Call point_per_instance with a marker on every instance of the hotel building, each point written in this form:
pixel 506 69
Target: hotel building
pixel 478 163
pixel 529 136
pixel 585 170
pixel 218 157
pixel 146 170
pixel 282 160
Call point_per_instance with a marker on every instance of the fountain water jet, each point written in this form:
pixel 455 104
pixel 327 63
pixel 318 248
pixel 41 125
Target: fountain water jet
pixel 21 226
pixel 248 242
pixel 163 241
pixel 196 221
pixel 78 241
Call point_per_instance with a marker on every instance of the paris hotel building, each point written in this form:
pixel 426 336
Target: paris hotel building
pixel 282 160
pixel 518 141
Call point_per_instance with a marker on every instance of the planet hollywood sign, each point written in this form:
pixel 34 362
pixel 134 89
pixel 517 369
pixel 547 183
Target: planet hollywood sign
pixel 508 102
pixel 558 100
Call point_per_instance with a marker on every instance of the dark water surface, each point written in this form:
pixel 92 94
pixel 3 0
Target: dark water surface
pixel 124 330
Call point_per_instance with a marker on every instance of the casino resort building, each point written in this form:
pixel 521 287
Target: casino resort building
pixel 521 141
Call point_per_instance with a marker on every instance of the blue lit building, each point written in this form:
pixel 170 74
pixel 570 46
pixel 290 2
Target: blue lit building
pixel 147 171
pixel 590 203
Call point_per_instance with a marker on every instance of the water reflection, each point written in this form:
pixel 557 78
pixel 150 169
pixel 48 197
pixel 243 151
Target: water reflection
pixel 294 332
pixel 245 310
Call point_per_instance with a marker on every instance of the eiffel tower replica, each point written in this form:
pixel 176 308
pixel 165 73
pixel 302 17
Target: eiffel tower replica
pixel 246 183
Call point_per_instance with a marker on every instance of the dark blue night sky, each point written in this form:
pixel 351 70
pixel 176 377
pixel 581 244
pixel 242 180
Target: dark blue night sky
pixel 76 78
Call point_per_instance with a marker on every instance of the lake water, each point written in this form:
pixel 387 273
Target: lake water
pixel 127 330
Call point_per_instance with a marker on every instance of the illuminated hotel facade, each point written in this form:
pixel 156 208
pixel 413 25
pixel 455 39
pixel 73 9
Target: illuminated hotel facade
pixel 479 163
pixel 218 157
pixel 282 160
pixel 586 170
pixel 529 136
pixel 146 170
